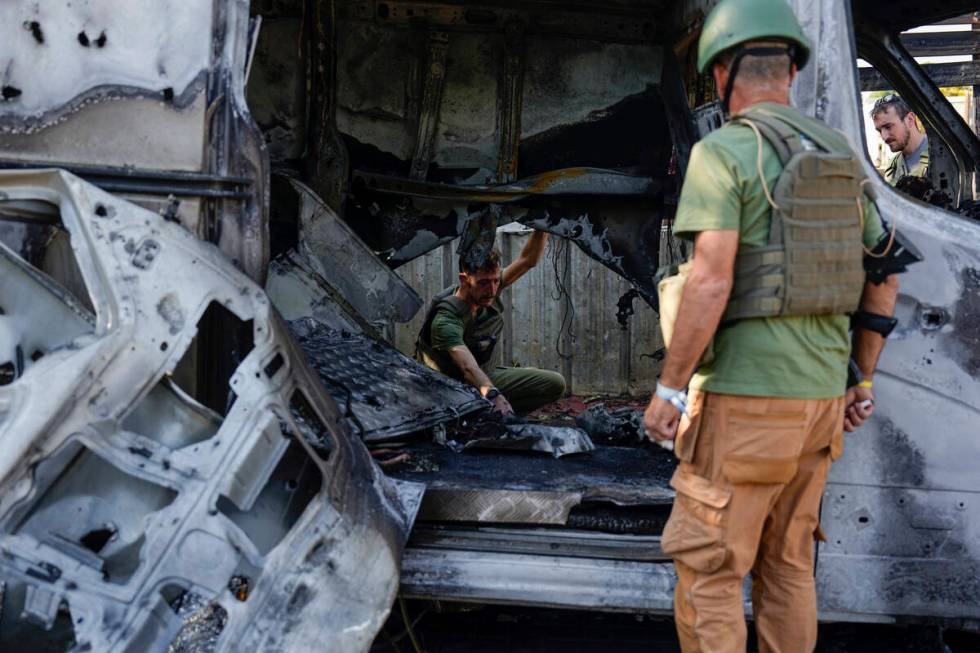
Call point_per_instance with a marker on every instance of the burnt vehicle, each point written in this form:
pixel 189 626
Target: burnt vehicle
pixel 203 209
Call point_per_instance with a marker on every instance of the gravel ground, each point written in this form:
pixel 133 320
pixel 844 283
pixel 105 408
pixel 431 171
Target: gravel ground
pixel 492 629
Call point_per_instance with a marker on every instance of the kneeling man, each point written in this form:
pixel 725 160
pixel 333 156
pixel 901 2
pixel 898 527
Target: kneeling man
pixel 462 327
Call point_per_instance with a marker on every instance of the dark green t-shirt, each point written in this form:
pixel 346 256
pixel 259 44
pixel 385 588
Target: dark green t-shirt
pixel 447 328
pixel 801 357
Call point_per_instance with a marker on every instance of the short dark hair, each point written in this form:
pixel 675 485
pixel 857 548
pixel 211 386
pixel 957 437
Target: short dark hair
pixel 490 263
pixel 889 100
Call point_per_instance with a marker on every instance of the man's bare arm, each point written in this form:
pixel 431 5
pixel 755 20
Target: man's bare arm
pixel 528 258
pixel 476 377
pixel 705 295
pixel 867 346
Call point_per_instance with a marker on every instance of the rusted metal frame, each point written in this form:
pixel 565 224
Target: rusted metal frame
pixel 510 100
pixel 152 182
pixel 942 74
pixel 428 120
pixel 435 82
pixel 568 181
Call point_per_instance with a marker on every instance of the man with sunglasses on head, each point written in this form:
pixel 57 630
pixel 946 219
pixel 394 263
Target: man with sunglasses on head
pixel 464 322
pixel 896 124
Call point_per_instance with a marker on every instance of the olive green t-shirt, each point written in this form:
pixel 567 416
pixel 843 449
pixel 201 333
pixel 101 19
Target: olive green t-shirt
pixel 800 357
pixel 447 328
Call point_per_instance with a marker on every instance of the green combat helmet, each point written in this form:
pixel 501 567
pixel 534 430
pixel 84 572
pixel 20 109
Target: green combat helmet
pixel 734 22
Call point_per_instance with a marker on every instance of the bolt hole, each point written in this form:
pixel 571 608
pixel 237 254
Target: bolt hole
pixel 10 92
pixel 863 520
pixel 291 485
pixel 83 39
pixel 163 346
pixel 101 211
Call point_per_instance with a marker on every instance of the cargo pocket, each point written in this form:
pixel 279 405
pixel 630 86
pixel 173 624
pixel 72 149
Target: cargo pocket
pixel 763 448
pixel 695 532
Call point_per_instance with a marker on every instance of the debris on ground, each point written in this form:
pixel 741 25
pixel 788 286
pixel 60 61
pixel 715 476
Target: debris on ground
pixel 491 430
pixel 620 426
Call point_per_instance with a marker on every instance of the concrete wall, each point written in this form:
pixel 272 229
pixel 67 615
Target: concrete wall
pixel 601 358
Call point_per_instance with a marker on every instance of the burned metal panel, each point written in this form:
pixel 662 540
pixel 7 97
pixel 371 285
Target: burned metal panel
pixel 342 259
pixel 571 81
pixel 565 582
pixel 467 134
pixel 377 75
pixel 919 444
pixel 58 56
pixel 117 516
pixel 382 393
pixel 500 487
pixel 160 137
pixel 276 90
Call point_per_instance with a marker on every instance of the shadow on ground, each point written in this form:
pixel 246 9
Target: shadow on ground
pixel 459 628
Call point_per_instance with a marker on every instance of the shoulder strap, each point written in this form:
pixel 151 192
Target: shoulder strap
pixel 824 136
pixel 783 137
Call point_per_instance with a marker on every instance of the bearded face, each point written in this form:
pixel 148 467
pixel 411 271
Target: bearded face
pixel 894 131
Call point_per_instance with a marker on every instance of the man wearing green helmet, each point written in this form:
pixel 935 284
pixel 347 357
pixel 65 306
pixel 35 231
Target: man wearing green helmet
pixel 775 204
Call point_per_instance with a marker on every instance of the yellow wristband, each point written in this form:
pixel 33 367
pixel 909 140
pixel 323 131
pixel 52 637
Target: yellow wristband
pixel 865 384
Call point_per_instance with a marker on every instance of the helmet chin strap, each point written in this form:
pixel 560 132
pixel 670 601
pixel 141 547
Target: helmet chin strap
pixel 755 52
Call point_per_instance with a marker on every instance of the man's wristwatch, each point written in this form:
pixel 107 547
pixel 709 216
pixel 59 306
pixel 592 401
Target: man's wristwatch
pixel 492 393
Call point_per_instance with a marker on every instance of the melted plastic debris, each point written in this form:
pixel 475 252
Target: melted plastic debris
pixel 492 431
pixel 203 623
pixel 622 426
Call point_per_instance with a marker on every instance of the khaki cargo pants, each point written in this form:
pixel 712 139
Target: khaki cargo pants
pixel 748 498
pixel 528 388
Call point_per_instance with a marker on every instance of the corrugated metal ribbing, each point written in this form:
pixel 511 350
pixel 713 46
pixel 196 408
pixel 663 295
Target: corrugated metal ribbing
pixel 595 354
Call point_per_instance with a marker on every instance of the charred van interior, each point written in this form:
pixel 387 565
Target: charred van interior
pixel 211 441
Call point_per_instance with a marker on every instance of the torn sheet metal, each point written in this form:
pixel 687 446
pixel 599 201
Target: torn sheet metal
pixel 383 393
pixel 343 261
pixel 119 494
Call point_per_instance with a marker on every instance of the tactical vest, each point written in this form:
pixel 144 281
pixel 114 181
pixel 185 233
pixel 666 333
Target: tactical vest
pixel 813 262
pixel 479 337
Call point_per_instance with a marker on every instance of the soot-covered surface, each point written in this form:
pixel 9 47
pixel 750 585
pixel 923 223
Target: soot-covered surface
pixel 638 475
pixel 382 392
